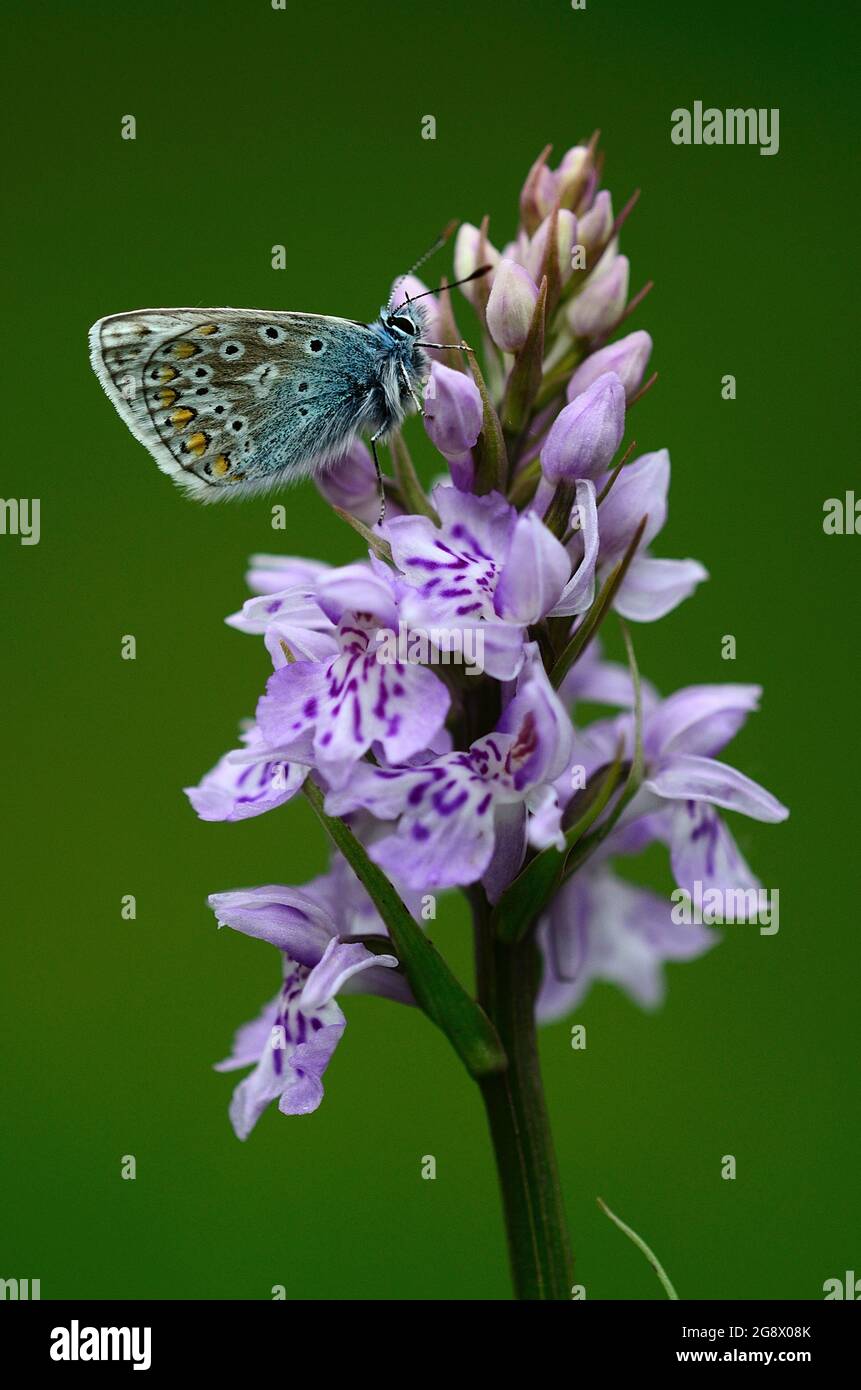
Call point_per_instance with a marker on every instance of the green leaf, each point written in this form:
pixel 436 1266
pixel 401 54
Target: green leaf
pixel 437 991
pixel 642 1246
pixel 489 452
pixel 527 896
pixel 598 612
pixel 381 548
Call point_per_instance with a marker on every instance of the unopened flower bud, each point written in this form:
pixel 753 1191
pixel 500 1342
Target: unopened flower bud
pixel 352 485
pixel 511 306
pixel 601 302
pixel 586 434
pixel 471 250
pixel 572 176
pixel 452 410
pixel 627 358
pixel 538 194
pixel 566 237
pixel 595 226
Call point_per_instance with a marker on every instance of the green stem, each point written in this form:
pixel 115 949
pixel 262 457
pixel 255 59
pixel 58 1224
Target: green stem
pixel 539 1251
pixel 641 1245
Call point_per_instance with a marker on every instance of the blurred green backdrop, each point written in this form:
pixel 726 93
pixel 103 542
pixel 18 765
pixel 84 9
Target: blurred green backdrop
pixel 302 127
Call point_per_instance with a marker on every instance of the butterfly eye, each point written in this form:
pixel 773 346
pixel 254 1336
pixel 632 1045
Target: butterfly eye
pixel 405 325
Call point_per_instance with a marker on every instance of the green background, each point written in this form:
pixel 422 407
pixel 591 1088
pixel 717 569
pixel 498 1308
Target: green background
pixel 302 127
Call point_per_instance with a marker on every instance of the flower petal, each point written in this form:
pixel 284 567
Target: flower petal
pixel 534 574
pixel 289 918
pixel 640 490
pixel 539 726
pixel 338 964
pixel 246 782
pixel 652 588
pixel 579 592
pixel 703 852
pixel 700 719
pixel 684 777
pixel 269 574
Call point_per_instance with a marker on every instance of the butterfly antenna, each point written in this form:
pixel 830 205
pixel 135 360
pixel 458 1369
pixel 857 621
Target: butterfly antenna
pixel 431 251
pixel 475 275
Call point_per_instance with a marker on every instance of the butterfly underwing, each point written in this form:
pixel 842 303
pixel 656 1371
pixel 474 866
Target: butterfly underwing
pixel 232 401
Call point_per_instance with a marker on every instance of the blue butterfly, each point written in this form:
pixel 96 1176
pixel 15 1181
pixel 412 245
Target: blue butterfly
pixel 236 401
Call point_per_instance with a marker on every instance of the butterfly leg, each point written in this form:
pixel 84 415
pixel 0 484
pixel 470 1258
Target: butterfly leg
pixel 446 347
pixel 416 402
pixel 373 443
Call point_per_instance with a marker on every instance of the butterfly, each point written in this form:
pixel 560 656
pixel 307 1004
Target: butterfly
pixel 232 401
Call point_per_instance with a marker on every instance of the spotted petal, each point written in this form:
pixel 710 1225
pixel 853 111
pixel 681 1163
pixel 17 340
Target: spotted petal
pixel 246 782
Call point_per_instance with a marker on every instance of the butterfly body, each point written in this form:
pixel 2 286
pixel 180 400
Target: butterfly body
pixel 240 400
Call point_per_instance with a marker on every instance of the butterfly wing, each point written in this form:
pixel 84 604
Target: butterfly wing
pixel 236 400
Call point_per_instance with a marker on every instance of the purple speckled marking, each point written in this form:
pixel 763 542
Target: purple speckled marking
pixel 448 808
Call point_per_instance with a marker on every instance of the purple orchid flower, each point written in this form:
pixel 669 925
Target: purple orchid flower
pixel 351 699
pixel 684 784
pixel 462 817
pixel 291 1043
pixel 599 927
pixel 484 565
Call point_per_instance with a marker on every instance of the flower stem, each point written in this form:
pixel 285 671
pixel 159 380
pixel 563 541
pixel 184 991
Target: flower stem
pixel 538 1246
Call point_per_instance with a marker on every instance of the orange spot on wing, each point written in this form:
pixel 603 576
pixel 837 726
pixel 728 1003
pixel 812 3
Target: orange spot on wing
pixel 184 349
pixel 197 444
pixel 180 418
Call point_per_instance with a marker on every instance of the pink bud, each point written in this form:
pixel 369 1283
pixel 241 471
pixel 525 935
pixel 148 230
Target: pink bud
pixel 601 301
pixel 586 434
pixel 572 176
pixel 511 305
pixel 470 251
pixel 452 410
pixel 351 484
pixel 566 237
pixel 596 225
pixel 627 358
